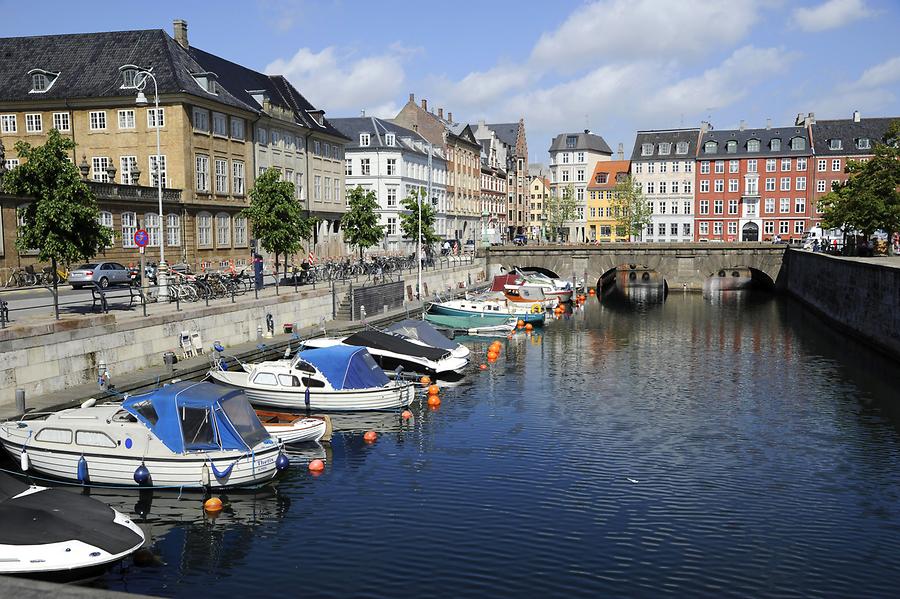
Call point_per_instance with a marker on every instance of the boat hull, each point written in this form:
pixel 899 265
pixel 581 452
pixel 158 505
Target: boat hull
pixel 490 319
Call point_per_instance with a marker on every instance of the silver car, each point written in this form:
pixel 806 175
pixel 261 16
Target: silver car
pixel 102 274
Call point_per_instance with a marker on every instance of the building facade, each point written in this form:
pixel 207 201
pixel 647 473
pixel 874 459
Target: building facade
pixel 493 199
pixel 393 162
pixel 753 184
pixel 573 157
pixel 602 215
pixel 538 193
pixel 662 164
pixel 512 148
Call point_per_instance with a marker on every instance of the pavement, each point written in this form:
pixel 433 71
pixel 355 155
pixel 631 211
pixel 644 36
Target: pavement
pixel 888 261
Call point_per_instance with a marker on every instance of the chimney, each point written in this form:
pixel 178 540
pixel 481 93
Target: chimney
pixel 450 116
pixel 620 154
pixel 424 104
pixel 743 125
pixel 363 112
pixel 799 120
pixel 768 124
pixel 855 116
pixel 440 113
pixel 180 28
pixel 810 119
pixel 412 97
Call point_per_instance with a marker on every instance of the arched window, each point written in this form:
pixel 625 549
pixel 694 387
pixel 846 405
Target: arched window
pixel 798 143
pixel 151 224
pixel 731 147
pixel 106 219
pixel 223 230
pixel 173 230
pixel 204 229
pixel 129 227
pixel 710 147
pixel 775 144
pixel 753 145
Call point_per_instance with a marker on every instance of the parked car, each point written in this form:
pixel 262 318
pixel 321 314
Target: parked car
pixel 102 274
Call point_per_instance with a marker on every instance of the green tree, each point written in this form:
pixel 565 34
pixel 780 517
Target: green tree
pixel 61 222
pixel 560 209
pixel 276 217
pixel 631 210
pixel 869 200
pixel 360 223
pixel 409 219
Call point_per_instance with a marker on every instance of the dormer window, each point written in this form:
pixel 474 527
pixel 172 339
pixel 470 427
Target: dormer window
pixel 731 147
pixel 798 143
pixel 863 143
pixel 753 145
pixel 665 149
pixel 601 178
pixel 646 149
pixel 389 139
pixel 710 147
pixel 775 145
pixel 834 144
pixel 681 147
pixel 207 81
pixel 364 140
pixel 571 141
pixel 128 78
pixel 41 80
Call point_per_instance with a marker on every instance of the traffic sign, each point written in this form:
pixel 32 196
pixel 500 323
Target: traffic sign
pixel 141 238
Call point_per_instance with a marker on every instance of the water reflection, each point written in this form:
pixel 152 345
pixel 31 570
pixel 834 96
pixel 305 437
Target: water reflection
pixel 633 290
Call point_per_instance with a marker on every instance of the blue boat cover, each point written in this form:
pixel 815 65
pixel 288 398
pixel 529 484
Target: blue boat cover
pixel 345 367
pixel 189 416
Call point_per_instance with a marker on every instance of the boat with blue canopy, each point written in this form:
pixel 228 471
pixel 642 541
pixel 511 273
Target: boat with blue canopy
pixel 336 378
pixel 183 435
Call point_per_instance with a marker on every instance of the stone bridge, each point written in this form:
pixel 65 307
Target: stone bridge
pixel 682 265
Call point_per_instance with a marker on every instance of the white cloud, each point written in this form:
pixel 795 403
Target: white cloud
pixel 623 29
pixel 881 74
pixel 344 83
pixel 830 14
pixel 874 91
pixel 481 88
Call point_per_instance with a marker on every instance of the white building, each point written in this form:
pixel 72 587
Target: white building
pixel 393 162
pixel 662 163
pixel 572 160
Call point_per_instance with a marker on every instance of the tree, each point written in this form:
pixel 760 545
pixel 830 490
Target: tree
pixel 409 219
pixel 560 209
pixel 869 200
pixel 62 220
pixel 360 223
pixel 276 217
pixel 631 210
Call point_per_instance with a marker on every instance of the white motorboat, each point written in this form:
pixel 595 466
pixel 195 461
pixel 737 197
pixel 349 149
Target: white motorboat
pixel 390 351
pixel 52 532
pixel 336 377
pixel 181 435
pixel 424 333
pixel 290 428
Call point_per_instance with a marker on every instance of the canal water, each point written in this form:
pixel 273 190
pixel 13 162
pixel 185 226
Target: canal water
pixel 722 445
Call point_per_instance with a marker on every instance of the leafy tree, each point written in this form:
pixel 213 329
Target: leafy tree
pixel 633 212
pixel 360 223
pixel 560 209
pixel 276 217
pixel 62 220
pixel 869 200
pixel 409 219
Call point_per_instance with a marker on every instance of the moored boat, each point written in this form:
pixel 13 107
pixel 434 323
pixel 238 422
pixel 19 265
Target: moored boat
pixel 474 324
pixel 287 428
pixel 420 331
pixel 533 313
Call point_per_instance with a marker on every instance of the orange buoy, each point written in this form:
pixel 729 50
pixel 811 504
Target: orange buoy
pixel 492 355
pixel 591 292
pixel 434 400
pixel 370 436
pixel 425 380
pixel 406 415
pixel 433 390
pixel 520 324
pixel 492 358
pixel 482 366
pixel 529 327
pixel 316 466
pixel 213 504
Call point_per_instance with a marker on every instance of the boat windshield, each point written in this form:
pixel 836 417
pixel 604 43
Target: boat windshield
pixel 197 428
pixel 244 420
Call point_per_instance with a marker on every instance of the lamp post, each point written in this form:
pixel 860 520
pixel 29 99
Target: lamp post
pixel 140 81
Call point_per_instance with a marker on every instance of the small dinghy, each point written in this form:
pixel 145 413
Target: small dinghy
pixel 290 428
pixel 49 532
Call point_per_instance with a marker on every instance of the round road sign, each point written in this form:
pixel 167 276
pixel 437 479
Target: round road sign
pixel 141 238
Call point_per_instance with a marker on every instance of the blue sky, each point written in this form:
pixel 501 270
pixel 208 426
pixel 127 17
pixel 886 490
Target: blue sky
pixel 615 66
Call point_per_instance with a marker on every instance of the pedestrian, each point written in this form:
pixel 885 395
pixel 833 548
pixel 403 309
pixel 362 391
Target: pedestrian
pixel 815 246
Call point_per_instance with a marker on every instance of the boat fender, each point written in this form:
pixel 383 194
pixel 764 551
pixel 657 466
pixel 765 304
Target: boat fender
pixel 536 308
pixel 282 462
pixel 306 397
pixel 83 476
pixel 204 476
pixel 24 461
pixel 141 474
pixel 89 403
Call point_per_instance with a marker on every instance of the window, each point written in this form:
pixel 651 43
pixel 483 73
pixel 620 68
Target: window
pixel 710 147
pixel 674 186
pixel 800 205
pixel 686 229
pixel 673 229
pixel 201 120
pixel 836 165
pixel 129 228
pixel 127 164
pixel 298 186
pixel 751 166
pixel 61 121
pixel 651 187
pixel 240 231
pixel 775 144
pixel 717 228
pixel 785 164
pixel 681 147
pixel 718 206
pixel 731 147
pixel 391 225
pixel 237 128
pixel 54 435
pixel 579 193
pixel 704 167
pixel 732 206
pixel 822 165
pixel 689 167
pixel 151 224
pixel 327 189
pixel 565 176
pixel 662 166
pixel 785 184
pixel 638 168
pixel 363 140
pixel 733 166
pixel 572 140
pixel 675 166
pixel 662 207
pixel 317 188
pixel 565 158
pixel 704 186
pixel 348 167
pixel 783 227
pixel 732 228
pixel 733 186
pixel 784 205
pixel 173 230
pixel 720 185
pixel 770 165
pixel 275 137
pixel 798 143
pixel 237 177
pixel 33 123
pixel 687 206
pixel 202 165
pixel 801 164
pixel 820 185
pixel 389 140
pixel 204 229
pixel 365 166
pixel 834 144
pixel 97 120
pixel 128 78
pixel 220 125
pixel 863 143
pixel 580 156
pixel 769 227
pixel 601 178
pixel 650 229
pixel 126 119
pixel 753 145
pixel 651 167
pixel 197 428
pixel 39 83
pixel 800 184
pixel 93 439
pixel 579 176
pixel 720 166
pixel 798 227
pixel 391 166
pixel 223 230
pixel 8 123
pixel 770 183
pixel 770 205
pixel 704 228
pixel 221 176
pixel 100 164
pixel 665 149
pixel 156 117
pixel 391 196
pixel 751 187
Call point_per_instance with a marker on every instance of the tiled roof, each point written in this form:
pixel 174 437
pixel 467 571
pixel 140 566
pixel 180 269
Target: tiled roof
pixel 507 132
pixel 764 136
pixel 88 66
pixel 406 139
pixel 583 141
pixel 849 132
pixel 670 136
pixel 613 169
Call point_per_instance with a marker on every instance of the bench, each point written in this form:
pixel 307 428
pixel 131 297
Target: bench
pixel 101 298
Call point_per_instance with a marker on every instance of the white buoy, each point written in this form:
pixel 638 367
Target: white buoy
pixel 24 462
pixel 204 477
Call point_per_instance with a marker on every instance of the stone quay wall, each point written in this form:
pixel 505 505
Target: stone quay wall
pixel 861 296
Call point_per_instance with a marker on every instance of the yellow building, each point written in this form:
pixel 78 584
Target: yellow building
pixel 602 216
pixel 539 191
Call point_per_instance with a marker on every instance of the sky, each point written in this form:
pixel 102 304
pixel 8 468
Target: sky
pixel 611 66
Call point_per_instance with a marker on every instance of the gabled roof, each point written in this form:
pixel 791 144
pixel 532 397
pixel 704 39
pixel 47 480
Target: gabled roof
pixel 670 136
pixel 764 136
pixel 88 66
pixel 613 169
pixel 507 132
pixel 849 132
pixel 405 139
pixel 585 140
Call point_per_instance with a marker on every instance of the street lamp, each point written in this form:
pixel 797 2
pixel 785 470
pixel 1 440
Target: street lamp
pixel 140 82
